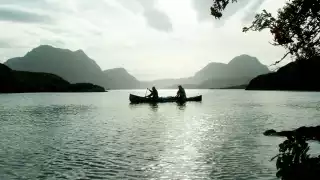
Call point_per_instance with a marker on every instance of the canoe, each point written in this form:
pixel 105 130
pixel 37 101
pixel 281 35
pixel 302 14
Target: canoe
pixel 139 99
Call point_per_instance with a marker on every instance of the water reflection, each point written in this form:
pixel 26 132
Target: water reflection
pixel 100 136
pixel 181 106
pixel 154 106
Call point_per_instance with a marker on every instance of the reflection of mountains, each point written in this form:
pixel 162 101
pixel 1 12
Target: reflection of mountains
pixel 76 66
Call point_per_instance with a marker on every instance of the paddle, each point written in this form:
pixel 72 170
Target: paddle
pixel 146 92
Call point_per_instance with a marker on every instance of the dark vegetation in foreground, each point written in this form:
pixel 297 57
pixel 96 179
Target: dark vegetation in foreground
pixel 293 161
pixel 23 82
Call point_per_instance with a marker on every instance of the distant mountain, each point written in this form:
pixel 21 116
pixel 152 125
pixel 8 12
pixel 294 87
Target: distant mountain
pixel 298 76
pixel 119 78
pixel 224 82
pixel 212 70
pixel 21 82
pixel 74 66
pixel 186 86
pixel 167 83
pixel 240 70
pixel 247 66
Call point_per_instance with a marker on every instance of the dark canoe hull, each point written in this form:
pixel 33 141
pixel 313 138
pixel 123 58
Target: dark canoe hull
pixel 139 99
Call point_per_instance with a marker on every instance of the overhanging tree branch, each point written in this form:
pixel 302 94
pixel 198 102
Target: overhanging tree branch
pixel 295 28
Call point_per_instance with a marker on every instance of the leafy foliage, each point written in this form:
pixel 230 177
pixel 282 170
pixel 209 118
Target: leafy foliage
pixel 219 6
pixel 296 26
pixel 294 162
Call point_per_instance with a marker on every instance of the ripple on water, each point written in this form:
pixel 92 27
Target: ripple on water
pixel 100 136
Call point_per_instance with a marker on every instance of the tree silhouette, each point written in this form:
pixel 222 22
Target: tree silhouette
pixel 293 161
pixel 296 26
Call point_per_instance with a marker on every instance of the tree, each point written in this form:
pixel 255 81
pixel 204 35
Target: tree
pixel 296 26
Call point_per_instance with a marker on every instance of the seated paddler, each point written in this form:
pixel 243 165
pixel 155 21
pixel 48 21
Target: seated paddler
pixel 153 93
pixel 181 94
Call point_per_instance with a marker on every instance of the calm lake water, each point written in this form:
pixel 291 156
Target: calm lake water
pixel 102 136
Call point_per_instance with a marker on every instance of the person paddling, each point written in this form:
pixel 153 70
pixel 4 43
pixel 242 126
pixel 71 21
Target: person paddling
pixel 153 93
pixel 181 94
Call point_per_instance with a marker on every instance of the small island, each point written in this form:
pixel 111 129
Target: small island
pixel 31 82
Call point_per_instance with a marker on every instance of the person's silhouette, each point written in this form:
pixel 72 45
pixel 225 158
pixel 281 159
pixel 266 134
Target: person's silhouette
pixel 181 94
pixel 153 93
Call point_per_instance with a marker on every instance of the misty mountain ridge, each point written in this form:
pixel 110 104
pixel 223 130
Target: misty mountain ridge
pixel 72 66
pixel 119 78
pixel 240 70
pixel 240 66
pixel 76 66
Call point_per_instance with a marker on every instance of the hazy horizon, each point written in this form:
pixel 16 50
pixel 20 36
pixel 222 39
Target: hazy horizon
pixel 151 39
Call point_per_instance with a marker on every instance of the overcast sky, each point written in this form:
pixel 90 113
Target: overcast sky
pixel 150 38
